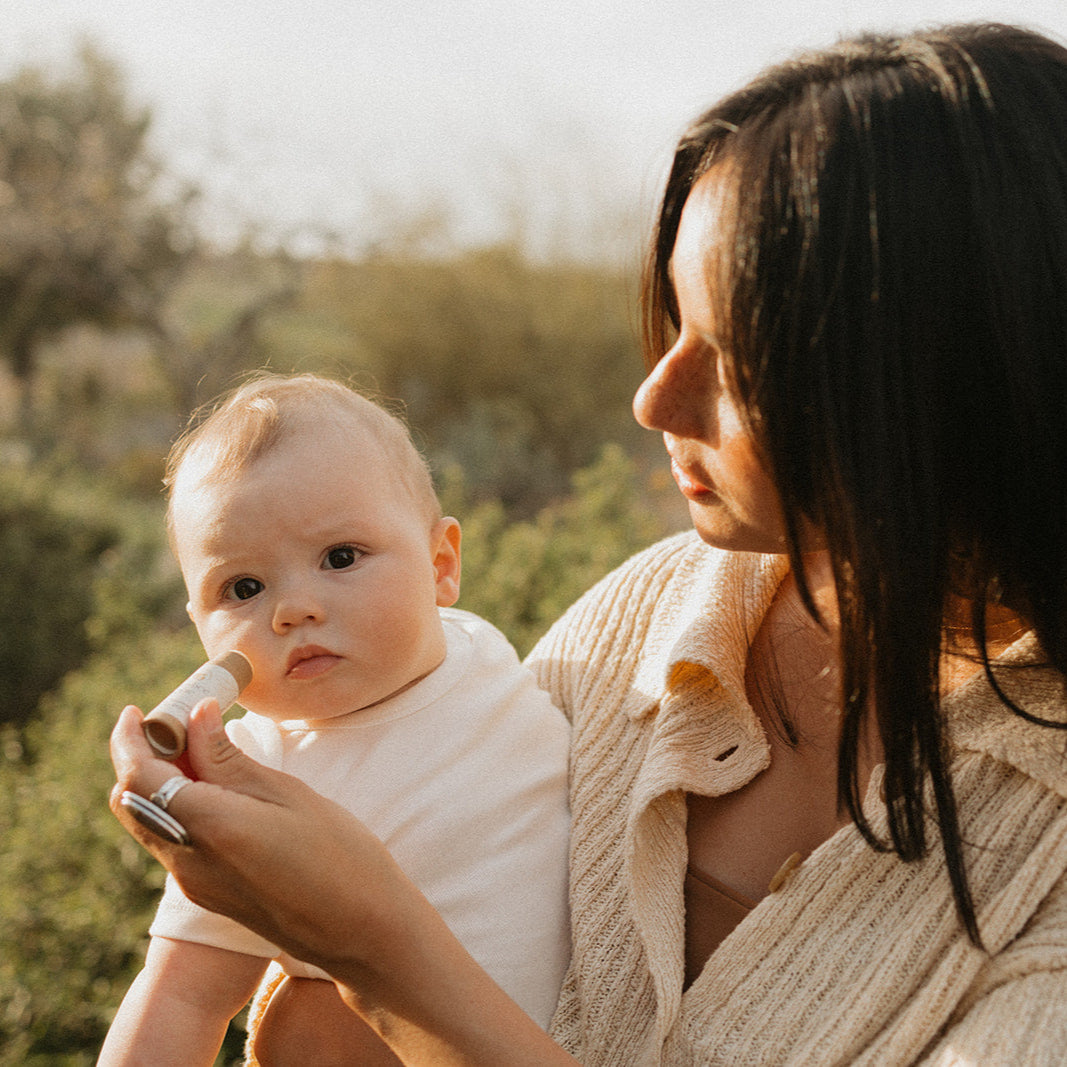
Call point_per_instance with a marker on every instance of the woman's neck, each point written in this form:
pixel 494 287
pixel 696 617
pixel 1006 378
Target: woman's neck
pixel 793 675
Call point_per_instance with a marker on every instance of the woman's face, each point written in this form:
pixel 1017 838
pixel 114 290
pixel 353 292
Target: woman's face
pixel 732 500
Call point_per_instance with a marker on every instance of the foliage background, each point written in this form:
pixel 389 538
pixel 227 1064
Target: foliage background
pixel 116 319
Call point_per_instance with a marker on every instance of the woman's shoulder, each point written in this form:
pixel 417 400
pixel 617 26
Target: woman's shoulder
pixel 607 630
pixel 662 560
pixel 981 719
pixel 632 588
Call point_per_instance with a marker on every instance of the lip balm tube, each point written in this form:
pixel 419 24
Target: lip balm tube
pixel 222 678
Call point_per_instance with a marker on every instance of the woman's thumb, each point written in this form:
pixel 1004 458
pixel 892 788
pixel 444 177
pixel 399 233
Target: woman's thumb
pixel 211 755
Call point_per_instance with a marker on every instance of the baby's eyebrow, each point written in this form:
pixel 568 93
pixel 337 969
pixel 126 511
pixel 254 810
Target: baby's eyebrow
pixel 222 571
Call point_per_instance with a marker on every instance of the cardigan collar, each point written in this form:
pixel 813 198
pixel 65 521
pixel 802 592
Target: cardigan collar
pixel 705 738
pixel 691 629
pixel 692 635
pixel 979 721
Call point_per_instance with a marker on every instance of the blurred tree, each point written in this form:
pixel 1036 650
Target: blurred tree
pixel 85 234
pixel 517 371
pixel 82 572
pixel 211 332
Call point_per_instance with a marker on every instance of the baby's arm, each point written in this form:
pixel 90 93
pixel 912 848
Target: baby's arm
pixel 177 1010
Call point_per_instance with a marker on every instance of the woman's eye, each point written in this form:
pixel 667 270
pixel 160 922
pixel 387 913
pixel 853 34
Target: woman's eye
pixel 245 588
pixel 337 559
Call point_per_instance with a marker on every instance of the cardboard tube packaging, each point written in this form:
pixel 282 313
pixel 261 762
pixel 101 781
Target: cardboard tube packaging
pixel 222 678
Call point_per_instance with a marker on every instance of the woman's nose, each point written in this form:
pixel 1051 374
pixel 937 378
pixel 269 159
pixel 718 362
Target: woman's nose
pixel 676 397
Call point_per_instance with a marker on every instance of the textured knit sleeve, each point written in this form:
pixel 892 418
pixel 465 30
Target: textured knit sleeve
pixel 1018 1015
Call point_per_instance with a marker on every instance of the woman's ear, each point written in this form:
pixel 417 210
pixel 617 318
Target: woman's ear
pixel 444 543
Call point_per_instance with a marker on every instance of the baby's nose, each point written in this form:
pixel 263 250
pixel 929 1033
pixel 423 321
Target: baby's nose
pixel 296 611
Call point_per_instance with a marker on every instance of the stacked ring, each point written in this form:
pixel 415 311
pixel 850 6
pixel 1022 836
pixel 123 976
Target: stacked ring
pixel 154 818
pixel 168 790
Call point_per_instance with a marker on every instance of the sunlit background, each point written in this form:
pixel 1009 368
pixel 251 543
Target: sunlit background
pixel 443 201
pixel 320 121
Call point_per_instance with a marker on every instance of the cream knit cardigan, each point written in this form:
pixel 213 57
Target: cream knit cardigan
pixel 859 958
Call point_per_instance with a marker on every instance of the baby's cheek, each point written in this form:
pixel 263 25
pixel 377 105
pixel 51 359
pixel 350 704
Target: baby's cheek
pixel 258 696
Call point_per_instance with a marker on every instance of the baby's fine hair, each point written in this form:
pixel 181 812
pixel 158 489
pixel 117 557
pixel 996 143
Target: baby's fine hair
pixel 244 425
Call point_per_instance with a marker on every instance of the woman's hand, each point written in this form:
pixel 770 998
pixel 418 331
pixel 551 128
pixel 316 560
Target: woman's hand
pixel 268 851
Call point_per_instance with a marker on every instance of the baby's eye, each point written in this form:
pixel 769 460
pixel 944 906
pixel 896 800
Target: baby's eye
pixel 337 559
pixel 244 589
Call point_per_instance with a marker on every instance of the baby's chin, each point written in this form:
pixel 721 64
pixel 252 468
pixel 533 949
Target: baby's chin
pixel 290 717
pixel 313 696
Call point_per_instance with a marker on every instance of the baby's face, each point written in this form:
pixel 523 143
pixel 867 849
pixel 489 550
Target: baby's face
pixel 316 563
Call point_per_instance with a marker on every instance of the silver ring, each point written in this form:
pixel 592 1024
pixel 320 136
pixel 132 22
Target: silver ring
pixel 154 818
pixel 168 790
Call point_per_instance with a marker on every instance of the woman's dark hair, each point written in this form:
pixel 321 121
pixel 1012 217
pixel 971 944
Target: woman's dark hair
pixel 892 290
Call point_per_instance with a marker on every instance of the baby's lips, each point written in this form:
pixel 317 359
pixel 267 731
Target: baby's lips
pixel 305 652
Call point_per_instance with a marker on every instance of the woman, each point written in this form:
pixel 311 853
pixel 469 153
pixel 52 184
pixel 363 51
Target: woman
pixel 818 784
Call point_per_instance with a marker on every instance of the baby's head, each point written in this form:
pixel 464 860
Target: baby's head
pixel 310 539
pixel 250 421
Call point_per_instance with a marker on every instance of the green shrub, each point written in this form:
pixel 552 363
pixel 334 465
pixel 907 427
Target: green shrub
pixel 50 549
pixel 522 575
pixel 76 892
pixel 81 570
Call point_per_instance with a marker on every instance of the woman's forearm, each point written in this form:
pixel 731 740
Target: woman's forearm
pixel 453 1014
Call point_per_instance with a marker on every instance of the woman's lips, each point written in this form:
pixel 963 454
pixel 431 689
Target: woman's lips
pixel 310 663
pixel 690 487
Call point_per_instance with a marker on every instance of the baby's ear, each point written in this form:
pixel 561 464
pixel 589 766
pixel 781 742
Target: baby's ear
pixel 444 543
pixel 189 609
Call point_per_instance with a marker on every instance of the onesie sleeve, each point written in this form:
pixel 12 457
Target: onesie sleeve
pixel 179 919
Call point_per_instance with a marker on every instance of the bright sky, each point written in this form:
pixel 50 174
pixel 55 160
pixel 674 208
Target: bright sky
pixel 311 116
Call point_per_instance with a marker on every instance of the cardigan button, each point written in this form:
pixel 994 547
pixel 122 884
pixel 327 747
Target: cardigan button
pixel 785 872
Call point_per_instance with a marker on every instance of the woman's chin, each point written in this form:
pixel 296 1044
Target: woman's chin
pixel 735 537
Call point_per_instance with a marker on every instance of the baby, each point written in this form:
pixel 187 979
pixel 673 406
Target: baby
pixel 310 539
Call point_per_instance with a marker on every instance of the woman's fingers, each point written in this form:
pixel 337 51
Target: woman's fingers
pixel 259 838
pixel 211 758
pixel 224 783
pixel 137 766
pixel 141 772
pixel 214 758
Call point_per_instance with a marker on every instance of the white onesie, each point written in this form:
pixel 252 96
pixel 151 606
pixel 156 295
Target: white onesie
pixel 463 777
